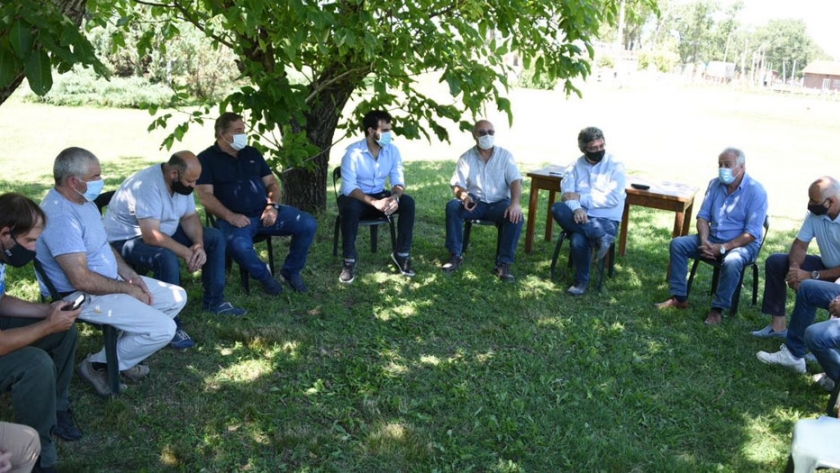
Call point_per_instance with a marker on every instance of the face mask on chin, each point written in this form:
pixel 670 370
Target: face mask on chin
pixel 94 188
pixel 18 256
pixel 180 188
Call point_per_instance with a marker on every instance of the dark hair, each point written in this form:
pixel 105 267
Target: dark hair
pixel 588 135
pixel 372 119
pixel 177 162
pixel 224 121
pixel 20 213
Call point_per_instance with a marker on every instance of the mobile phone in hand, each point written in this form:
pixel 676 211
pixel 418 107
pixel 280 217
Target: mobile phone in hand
pixel 75 304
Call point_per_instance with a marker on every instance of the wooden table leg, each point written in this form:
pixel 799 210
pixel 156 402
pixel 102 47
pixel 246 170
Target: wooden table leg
pixel 679 219
pixel 549 218
pixel 687 222
pixel 625 219
pixel 532 211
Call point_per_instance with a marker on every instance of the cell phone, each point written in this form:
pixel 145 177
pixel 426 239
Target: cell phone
pixel 75 304
pixel 641 187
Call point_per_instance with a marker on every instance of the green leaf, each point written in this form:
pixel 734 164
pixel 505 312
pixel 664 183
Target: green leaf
pixel 10 66
pixel 38 72
pixel 20 37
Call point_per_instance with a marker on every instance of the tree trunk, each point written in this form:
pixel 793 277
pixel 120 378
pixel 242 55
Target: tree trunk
pixel 73 9
pixel 304 188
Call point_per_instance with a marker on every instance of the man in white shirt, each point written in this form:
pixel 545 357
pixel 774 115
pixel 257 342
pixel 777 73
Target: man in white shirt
pixel 487 185
pixel 592 203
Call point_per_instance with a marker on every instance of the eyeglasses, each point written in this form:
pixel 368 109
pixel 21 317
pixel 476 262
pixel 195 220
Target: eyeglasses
pixel 485 132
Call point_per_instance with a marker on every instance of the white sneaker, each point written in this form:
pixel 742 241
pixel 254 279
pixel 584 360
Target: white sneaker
pixel 824 381
pixel 783 358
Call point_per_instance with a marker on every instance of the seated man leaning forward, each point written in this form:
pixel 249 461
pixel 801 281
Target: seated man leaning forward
pixel 238 187
pixel 37 347
pixel 729 229
pixel 821 222
pixel 152 222
pixel 487 185
pixel 365 166
pixel 78 260
pixel 593 194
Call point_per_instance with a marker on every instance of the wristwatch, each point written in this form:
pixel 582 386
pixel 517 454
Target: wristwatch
pixel 815 274
pixel 722 249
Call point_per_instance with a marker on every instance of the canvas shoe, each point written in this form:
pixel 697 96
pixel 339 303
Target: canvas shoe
pixel 294 281
pixel 576 289
pixel 136 372
pixel 453 264
pixel 824 381
pixel 672 302
pixel 768 332
pixel 502 271
pixel 403 265
pixel 272 287
pixel 181 341
pixel 65 427
pixel 225 308
pixel 98 378
pixel 783 358
pixel 348 272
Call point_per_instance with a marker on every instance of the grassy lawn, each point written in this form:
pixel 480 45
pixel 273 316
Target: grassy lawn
pixel 463 372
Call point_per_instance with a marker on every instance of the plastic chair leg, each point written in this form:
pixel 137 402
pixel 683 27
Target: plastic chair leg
pixel 110 334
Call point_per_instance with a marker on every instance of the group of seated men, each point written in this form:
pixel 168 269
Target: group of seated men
pixel 152 223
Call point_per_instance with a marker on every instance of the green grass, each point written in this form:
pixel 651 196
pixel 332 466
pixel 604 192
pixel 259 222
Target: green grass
pixel 464 373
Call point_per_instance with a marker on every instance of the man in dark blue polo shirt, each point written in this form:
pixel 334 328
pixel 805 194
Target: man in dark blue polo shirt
pixel 237 186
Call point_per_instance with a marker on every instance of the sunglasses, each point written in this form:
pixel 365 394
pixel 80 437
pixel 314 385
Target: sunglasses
pixel 485 132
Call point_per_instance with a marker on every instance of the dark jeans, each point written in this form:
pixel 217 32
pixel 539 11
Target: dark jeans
pixel 39 377
pixel 456 214
pixel 583 237
pixel 812 295
pixel 823 339
pixel 301 226
pixel 775 289
pixel 167 265
pixel 352 210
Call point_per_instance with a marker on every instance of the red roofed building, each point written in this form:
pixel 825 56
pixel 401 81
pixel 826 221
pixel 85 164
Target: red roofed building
pixel 823 75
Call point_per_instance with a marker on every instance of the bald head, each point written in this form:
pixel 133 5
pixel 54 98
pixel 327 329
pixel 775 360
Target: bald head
pixel 824 188
pixel 183 167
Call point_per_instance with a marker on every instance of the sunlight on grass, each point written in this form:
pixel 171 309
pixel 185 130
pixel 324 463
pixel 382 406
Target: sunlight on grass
pixel 395 369
pixel 430 360
pixel 168 457
pixel 247 371
pixel 765 445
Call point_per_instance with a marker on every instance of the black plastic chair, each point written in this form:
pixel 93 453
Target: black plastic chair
pixel 109 332
pixel 468 224
pixel 716 264
pixel 373 223
pixel 210 221
pixel 602 264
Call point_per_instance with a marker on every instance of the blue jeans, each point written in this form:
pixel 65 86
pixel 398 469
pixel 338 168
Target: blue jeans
pixel 823 339
pixel 775 289
pixel 352 210
pixel 456 214
pixel 734 262
pixel 166 265
pixel 812 295
pixel 301 226
pixel 583 237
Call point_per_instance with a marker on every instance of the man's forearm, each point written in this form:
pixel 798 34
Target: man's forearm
pixel 162 240
pixel 11 306
pixel 796 255
pixel 740 241
pixel 16 338
pixel 703 229
pixel 359 195
pixel 516 192
pixel 215 207
pixel 274 193
pixel 193 229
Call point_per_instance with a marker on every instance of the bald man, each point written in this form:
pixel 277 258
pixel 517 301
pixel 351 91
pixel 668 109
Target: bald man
pixel 152 222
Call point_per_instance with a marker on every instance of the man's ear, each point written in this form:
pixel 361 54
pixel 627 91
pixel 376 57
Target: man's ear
pixel 5 232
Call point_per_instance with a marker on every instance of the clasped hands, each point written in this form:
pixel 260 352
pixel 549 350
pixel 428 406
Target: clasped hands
pixel 709 250
pixel 387 205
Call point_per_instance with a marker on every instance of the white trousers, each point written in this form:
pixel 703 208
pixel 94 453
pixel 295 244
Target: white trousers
pixel 145 328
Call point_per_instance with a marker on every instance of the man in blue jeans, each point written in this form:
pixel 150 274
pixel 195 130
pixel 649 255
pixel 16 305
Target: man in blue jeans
pixel 237 186
pixel 783 270
pixel 152 222
pixel 730 225
pixel 822 339
pixel 593 193
pixel 487 185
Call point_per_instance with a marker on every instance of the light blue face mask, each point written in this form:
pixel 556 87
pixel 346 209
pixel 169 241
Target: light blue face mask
pixel 725 175
pixel 385 138
pixel 94 188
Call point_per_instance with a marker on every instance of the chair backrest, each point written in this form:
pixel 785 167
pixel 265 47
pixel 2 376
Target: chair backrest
pixel 103 200
pixel 336 177
pixel 39 270
pixel 831 409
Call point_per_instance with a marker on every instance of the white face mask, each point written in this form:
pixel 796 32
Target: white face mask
pixel 486 141
pixel 239 141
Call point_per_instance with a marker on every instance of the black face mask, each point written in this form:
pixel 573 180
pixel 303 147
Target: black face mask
pixel 18 256
pixel 180 188
pixel 596 156
pixel 818 209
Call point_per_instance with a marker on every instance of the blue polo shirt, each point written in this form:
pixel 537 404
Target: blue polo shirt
pixel 730 215
pixel 237 182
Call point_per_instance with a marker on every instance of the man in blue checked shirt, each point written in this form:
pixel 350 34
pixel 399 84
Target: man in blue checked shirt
pixel 593 201
pixel 364 168
pixel 729 229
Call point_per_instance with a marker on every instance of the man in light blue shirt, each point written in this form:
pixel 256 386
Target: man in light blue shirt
pixel 593 201
pixel 730 225
pixel 487 185
pixel 364 168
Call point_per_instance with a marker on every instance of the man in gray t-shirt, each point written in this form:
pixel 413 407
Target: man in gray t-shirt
pixel 152 222
pixel 487 185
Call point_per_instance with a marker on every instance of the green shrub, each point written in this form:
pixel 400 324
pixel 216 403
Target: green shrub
pixel 527 80
pixel 605 61
pixel 80 87
pixel 661 60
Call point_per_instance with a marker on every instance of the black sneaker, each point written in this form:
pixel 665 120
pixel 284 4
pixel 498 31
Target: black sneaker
pixel 348 271
pixel 294 281
pixel 272 287
pixel 403 264
pixel 502 271
pixel 65 427
pixel 453 264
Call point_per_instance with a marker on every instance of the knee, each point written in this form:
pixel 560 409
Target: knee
pixel 213 237
pixel 166 258
pixel 812 336
pixel 350 207
pixel 453 208
pixel 558 210
pixel 37 367
pixel 308 224
pixel 407 202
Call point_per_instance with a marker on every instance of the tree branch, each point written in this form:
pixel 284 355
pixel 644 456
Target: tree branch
pixel 189 18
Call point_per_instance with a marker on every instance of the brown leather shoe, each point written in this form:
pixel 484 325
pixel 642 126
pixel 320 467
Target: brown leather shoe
pixel 713 318
pixel 672 302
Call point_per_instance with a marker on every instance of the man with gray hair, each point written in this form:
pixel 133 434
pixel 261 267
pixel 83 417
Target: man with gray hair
pixel 730 227
pixel 76 257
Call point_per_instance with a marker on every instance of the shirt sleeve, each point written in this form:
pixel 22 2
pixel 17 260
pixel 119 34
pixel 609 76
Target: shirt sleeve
pixel 397 174
pixel 206 176
pixel 706 207
pixel 64 235
pixel 461 175
pixel 757 213
pixel 348 171
pixel 806 232
pixel 264 169
pixel 512 173
pixel 569 184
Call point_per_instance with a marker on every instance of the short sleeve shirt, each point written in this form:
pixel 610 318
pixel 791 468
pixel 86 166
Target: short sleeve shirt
pixel 144 195
pixel 73 228
pixel 237 182
pixel 827 233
